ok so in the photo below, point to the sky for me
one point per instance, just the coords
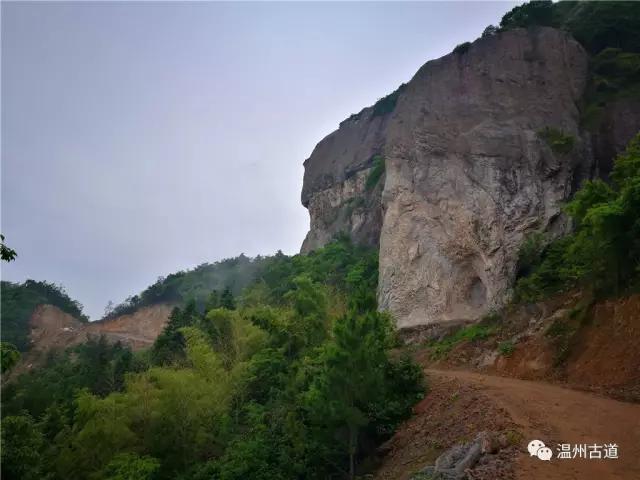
(139, 139)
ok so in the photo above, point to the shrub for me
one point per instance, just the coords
(557, 140)
(530, 252)
(462, 48)
(603, 253)
(388, 104)
(469, 333)
(490, 31)
(376, 172)
(506, 348)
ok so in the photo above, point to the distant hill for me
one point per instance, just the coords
(19, 301)
(196, 284)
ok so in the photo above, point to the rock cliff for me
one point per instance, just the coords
(467, 172)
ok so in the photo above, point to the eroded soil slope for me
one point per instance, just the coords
(568, 340)
(53, 329)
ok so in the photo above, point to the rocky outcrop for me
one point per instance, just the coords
(467, 173)
(336, 189)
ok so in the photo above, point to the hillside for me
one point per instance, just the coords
(19, 301)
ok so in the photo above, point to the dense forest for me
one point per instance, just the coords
(291, 379)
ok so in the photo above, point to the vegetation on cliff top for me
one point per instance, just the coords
(608, 31)
(295, 382)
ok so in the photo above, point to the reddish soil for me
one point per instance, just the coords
(454, 411)
(559, 415)
(566, 346)
(598, 352)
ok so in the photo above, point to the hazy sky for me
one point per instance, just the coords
(143, 138)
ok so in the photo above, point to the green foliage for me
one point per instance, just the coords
(470, 333)
(462, 48)
(506, 348)
(607, 30)
(346, 269)
(22, 443)
(615, 75)
(296, 382)
(557, 140)
(169, 347)
(232, 275)
(129, 466)
(376, 172)
(97, 366)
(19, 300)
(7, 254)
(603, 253)
(538, 12)
(530, 252)
(596, 25)
(226, 300)
(354, 204)
(9, 355)
(489, 31)
(387, 104)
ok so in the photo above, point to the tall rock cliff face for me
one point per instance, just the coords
(467, 175)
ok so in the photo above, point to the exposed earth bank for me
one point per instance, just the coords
(569, 340)
(53, 329)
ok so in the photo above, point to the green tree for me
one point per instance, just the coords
(6, 254)
(9, 356)
(129, 466)
(169, 347)
(22, 443)
(350, 376)
(227, 299)
(213, 301)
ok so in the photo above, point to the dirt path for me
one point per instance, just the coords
(558, 415)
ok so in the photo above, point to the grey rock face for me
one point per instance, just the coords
(468, 176)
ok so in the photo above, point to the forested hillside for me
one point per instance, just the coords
(291, 379)
(232, 274)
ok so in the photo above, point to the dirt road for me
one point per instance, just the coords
(557, 415)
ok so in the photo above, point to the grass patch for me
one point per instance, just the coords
(353, 204)
(558, 141)
(506, 348)
(514, 437)
(376, 172)
(561, 334)
(470, 333)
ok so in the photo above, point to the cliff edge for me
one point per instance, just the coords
(448, 175)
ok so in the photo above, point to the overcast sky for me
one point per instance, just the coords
(143, 138)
